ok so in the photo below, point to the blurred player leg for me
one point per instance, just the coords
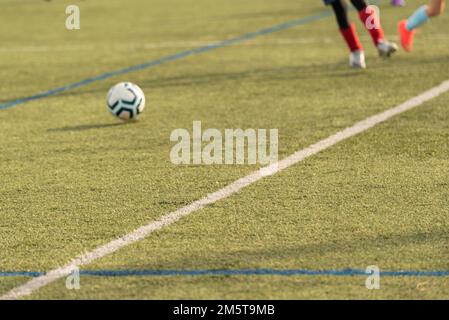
(371, 21)
(348, 31)
(407, 28)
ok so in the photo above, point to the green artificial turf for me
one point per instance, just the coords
(73, 177)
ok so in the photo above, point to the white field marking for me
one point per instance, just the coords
(172, 217)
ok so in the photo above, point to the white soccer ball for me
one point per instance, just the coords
(126, 100)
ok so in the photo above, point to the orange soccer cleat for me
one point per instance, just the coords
(406, 36)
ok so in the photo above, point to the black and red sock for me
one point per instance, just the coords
(347, 29)
(370, 20)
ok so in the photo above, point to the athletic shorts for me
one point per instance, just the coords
(327, 2)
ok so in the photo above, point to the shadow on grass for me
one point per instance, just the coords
(85, 127)
(323, 71)
(326, 253)
(285, 73)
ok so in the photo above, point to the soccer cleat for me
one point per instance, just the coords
(386, 48)
(357, 59)
(398, 3)
(406, 36)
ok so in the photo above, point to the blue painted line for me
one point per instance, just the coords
(236, 272)
(21, 274)
(169, 58)
(224, 272)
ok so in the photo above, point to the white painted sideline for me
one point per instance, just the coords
(170, 218)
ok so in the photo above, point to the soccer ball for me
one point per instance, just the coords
(126, 100)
